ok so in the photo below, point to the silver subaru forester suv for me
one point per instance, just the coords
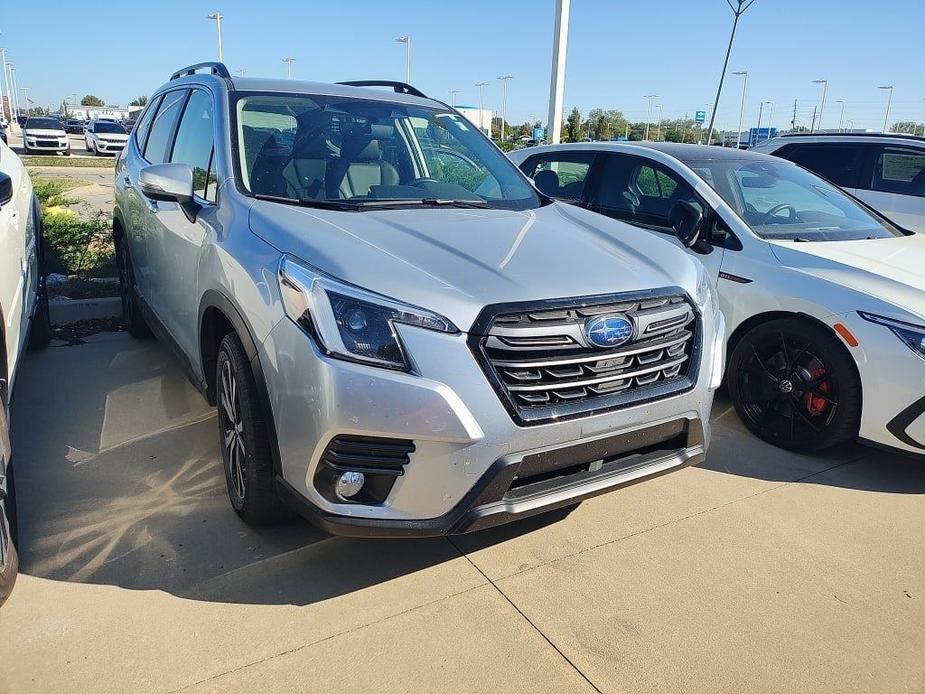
(401, 334)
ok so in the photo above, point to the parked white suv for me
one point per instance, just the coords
(824, 299)
(885, 171)
(41, 134)
(23, 322)
(105, 137)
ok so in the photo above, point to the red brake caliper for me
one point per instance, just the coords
(814, 404)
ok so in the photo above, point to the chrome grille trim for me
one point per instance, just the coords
(541, 363)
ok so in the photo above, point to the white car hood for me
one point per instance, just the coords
(115, 137)
(45, 132)
(892, 269)
(456, 261)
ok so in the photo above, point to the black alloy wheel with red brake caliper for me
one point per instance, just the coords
(795, 385)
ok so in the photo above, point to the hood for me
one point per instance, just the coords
(892, 269)
(115, 137)
(457, 261)
(45, 132)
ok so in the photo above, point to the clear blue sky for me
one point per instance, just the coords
(618, 50)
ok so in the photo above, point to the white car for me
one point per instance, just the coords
(824, 299)
(45, 135)
(105, 137)
(886, 171)
(23, 323)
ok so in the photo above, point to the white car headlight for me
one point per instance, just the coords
(350, 322)
(913, 335)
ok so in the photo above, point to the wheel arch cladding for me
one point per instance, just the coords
(218, 316)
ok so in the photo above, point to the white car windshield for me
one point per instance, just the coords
(43, 124)
(779, 200)
(359, 154)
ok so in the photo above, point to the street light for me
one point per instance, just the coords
(453, 93)
(481, 86)
(738, 10)
(6, 81)
(742, 107)
(648, 114)
(889, 102)
(841, 117)
(241, 72)
(406, 39)
(825, 88)
(504, 81)
(658, 131)
(289, 60)
(217, 16)
(25, 96)
(760, 113)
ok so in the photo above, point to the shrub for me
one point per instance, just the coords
(81, 247)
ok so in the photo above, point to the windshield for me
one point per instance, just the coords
(359, 153)
(107, 127)
(779, 200)
(44, 123)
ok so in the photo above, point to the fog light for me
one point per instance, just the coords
(349, 484)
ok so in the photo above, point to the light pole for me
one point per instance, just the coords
(923, 124)
(760, 113)
(648, 114)
(504, 82)
(241, 72)
(25, 97)
(6, 80)
(217, 16)
(738, 10)
(15, 89)
(557, 77)
(453, 93)
(841, 116)
(406, 39)
(289, 60)
(658, 130)
(744, 73)
(889, 102)
(825, 89)
(481, 86)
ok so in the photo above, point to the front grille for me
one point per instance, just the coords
(544, 367)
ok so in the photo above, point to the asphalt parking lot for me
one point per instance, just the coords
(758, 571)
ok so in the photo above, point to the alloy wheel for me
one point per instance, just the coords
(786, 388)
(232, 429)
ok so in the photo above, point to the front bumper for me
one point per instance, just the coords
(103, 146)
(47, 145)
(468, 450)
(893, 386)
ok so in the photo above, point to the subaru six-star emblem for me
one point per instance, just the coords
(610, 330)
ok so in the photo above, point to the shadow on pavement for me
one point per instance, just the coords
(120, 483)
(735, 451)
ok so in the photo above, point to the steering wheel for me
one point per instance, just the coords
(792, 215)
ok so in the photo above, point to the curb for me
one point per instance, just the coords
(65, 311)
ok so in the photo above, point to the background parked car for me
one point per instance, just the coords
(24, 313)
(824, 299)
(74, 126)
(885, 171)
(44, 134)
(105, 137)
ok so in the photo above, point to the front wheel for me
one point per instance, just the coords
(40, 330)
(794, 385)
(246, 455)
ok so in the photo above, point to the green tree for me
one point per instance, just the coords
(91, 100)
(573, 126)
(909, 127)
(140, 101)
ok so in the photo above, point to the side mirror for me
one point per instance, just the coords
(170, 183)
(686, 220)
(6, 189)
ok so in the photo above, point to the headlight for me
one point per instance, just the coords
(349, 322)
(912, 335)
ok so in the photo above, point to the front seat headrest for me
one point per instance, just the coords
(547, 181)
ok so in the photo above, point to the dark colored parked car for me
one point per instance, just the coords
(73, 126)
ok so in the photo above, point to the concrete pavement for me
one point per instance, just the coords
(760, 571)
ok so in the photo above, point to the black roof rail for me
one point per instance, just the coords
(397, 87)
(906, 136)
(215, 68)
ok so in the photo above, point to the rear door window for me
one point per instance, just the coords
(157, 148)
(561, 175)
(899, 170)
(838, 163)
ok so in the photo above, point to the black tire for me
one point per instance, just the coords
(40, 330)
(242, 433)
(67, 152)
(795, 385)
(10, 504)
(131, 309)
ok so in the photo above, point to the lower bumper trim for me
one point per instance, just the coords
(496, 499)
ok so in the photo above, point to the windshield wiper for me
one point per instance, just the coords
(421, 202)
(309, 202)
